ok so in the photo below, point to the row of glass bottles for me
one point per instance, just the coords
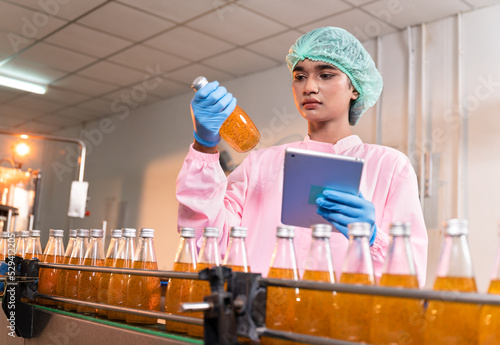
(122, 290)
(26, 244)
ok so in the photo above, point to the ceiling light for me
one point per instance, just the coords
(22, 85)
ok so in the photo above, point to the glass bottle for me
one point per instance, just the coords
(111, 253)
(22, 243)
(398, 320)
(33, 246)
(489, 321)
(61, 276)
(4, 244)
(281, 302)
(117, 289)
(355, 310)
(451, 322)
(238, 130)
(88, 282)
(209, 257)
(72, 276)
(178, 289)
(54, 253)
(315, 308)
(144, 292)
(236, 256)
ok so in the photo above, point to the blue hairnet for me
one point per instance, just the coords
(338, 47)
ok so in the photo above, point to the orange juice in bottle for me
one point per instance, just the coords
(236, 256)
(238, 130)
(489, 321)
(33, 245)
(72, 276)
(281, 302)
(144, 292)
(398, 320)
(178, 289)
(209, 257)
(453, 322)
(61, 274)
(355, 311)
(54, 253)
(117, 288)
(316, 309)
(88, 282)
(102, 294)
(4, 244)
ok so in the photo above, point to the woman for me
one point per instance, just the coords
(334, 82)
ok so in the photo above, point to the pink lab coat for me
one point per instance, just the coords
(251, 197)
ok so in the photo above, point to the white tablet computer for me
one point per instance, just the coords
(307, 174)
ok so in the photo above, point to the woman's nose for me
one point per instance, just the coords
(310, 86)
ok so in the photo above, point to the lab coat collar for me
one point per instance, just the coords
(339, 147)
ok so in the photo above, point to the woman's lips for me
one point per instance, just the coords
(311, 103)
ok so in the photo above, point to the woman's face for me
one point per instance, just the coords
(321, 91)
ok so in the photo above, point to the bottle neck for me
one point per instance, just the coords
(127, 249)
(237, 255)
(284, 256)
(186, 251)
(34, 246)
(113, 247)
(209, 252)
(145, 250)
(54, 246)
(320, 256)
(69, 248)
(455, 258)
(399, 259)
(79, 248)
(358, 258)
(95, 249)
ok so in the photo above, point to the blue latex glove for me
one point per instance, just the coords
(4, 268)
(210, 107)
(341, 209)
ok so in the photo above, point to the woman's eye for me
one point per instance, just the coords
(327, 75)
(299, 77)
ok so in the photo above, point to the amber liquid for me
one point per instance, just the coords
(71, 284)
(355, 311)
(397, 320)
(316, 309)
(47, 283)
(102, 293)
(177, 293)
(197, 290)
(61, 279)
(239, 131)
(117, 289)
(280, 306)
(88, 286)
(451, 322)
(489, 324)
(143, 293)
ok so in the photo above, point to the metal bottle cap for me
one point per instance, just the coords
(34, 233)
(116, 233)
(24, 233)
(72, 233)
(321, 230)
(5, 234)
(359, 229)
(96, 233)
(128, 232)
(238, 231)
(400, 229)
(199, 82)
(456, 227)
(210, 231)
(56, 232)
(284, 231)
(146, 232)
(187, 232)
(82, 233)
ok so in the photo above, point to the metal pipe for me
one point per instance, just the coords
(155, 314)
(81, 143)
(449, 296)
(131, 271)
(196, 306)
(301, 338)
